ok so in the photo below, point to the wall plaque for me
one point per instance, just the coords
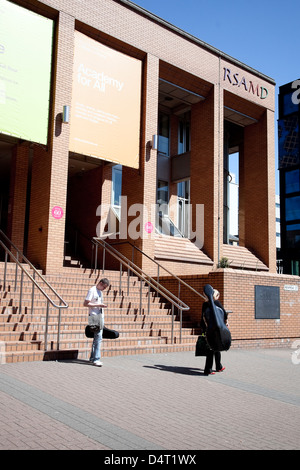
(267, 302)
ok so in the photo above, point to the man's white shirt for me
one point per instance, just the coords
(94, 295)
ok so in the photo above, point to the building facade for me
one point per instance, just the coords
(168, 111)
(116, 124)
(289, 171)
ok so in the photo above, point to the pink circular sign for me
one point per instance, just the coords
(57, 212)
(149, 227)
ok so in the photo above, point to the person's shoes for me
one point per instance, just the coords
(221, 370)
(98, 363)
(209, 373)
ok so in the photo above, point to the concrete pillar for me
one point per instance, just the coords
(207, 170)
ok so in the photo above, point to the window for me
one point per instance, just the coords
(288, 141)
(116, 189)
(292, 181)
(293, 236)
(288, 105)
(163, 196)
(164, 224)
(163, 134)
(183, 195)
(292, 208)
(184, 135)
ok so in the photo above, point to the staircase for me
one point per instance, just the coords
(240, 257)
(179, 249)
(142, 318)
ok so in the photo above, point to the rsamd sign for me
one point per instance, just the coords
(235, 79)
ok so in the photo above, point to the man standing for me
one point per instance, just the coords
(94, 302)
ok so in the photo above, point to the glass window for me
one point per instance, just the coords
(293, 227)
(288, 141)
(163, 134)
(292, 208)
(116, 185)
(288, 105)
(292, 181)
(163, 196)
(293, 236)
(183, 193)
(183, 189)
(184, 135)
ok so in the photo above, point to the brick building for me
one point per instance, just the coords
(143, 141)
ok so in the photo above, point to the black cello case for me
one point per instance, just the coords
(218, 335)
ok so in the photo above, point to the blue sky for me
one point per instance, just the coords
(263, 34)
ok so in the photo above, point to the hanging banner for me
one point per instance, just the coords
(106, 103)
(25, 72)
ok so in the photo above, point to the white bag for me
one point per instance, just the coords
(96, 320)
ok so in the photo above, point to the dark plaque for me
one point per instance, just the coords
(267, 302)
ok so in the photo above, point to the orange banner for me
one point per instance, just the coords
(106, 103)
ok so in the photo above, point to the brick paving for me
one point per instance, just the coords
(158, 402)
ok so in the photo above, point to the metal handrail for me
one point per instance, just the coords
(34, 283)
(160, 266)
(152, 283)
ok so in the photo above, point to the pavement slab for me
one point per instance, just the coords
(155, 403)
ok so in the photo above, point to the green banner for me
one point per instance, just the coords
(25, 72)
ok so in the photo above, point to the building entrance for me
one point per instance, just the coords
(83, 199)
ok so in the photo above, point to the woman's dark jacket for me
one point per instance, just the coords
(205, 306)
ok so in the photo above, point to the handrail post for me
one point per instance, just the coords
(46, 327)
(172, 328)
(92, 255)
(5, 268)
(180, 332)
(16, 273)
(58, 329)
(21, 291)
(103, 260)
(120, 290)
(148, 298)
(140, 296)
(128, 279)
(32, 294)
(179, 286)
(96, 257)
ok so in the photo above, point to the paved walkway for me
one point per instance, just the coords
(158, 403)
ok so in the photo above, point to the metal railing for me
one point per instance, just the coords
(153, 283)
(57, 303)
(162, 268)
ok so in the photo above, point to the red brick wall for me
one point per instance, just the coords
(50, 166)
(204, 170)
(17, 197)
(256, 189)
(175, 57)
(237, 295)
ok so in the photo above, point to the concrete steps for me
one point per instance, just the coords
(179, 249)
(142, 318)
(240, 257)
